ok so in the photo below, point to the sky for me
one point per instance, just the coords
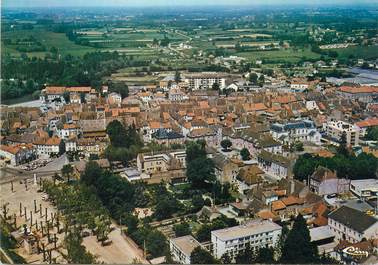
(83, 3)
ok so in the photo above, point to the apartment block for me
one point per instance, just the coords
(256, 233)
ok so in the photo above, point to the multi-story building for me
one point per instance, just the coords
(181, 248)
(299, 130)
(176, 95)
(274, 164)
(256, 233)
(18, 154)
(352, 225)
(364, 188)
(364, 94)
(335, 129)
(151, 163)
(325, 181)
(205, 80)
(48, 147)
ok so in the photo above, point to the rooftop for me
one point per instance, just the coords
(352, 218)
(251, 228)
(186, 244)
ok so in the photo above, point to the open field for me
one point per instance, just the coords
(46, 38)
(288, 55)
(364, 52)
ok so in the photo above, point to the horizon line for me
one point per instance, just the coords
(198, 5)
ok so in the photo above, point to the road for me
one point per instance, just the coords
(8, 174)
(30, 104)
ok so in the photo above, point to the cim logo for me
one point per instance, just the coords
(353, 251)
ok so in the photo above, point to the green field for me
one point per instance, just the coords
(364, 52)
(288, 55)
(48, 39)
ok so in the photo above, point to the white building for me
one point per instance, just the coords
(364, 188)
(257, 234)
(48, 147)
(114, 99)
(274, 164)
(299, 130)
(205, 80)
(298, 87)
(176, 94)
(335, 129)
(182, 247)
(152, 163)
(352, 225)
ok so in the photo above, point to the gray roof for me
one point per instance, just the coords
(352, 218)
(251, 228)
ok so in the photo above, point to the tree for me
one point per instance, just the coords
(261, 80)
(195, 150)
(197, 202)
(226, 259)
(122, 137)
(297, 147)
(343, 148)
(66, 96)
(372, 133)
(203, 233)
(299, 235)
(304, 167)
(156, 243)
(265, 255)
(226, 144)
(120, 88)
(76, 252)
(62, 147)
(244, 153)
(215, 86)
(200, 172)
(245, 256)
(201, 256)
(253, 77)
(67, 170)
(177, 76)
(131, 222)
(91, 174)
(182, 229)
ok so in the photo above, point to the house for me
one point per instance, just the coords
(18, 154)
(364, 189)
(49, 146)
(71, 144)
(225, 169)
(68, 130)
(167, 137)
(249, 177)
(176, 95)
(324, 182)
(366, 124)
(324, 239)
(352, 225)
(181, 248)
(114, 99)
(364, 94)
(90, 146)
(150, 163)
(299, 130)
(256, 234)
(274, 164)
